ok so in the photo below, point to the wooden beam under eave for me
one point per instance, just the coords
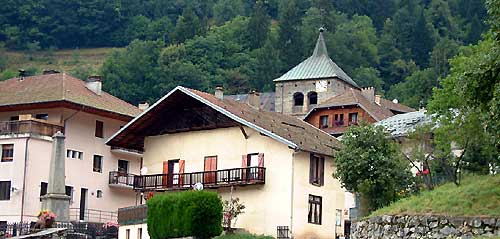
(243, 131)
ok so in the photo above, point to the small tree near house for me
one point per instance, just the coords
(232, 209)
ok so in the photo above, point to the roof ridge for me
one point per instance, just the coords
(320, 48)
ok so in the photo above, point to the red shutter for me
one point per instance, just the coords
(182, 164)
(244, 165)
(261, 159)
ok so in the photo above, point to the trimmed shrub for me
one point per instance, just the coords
(182, 214)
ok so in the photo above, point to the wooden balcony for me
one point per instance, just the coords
(121, 179)
(33, 127)
(209, 179)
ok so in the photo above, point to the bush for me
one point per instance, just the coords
(190, 213)
(243, 236)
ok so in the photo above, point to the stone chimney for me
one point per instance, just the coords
(219, 92)
(254, 99)
(377, 99)
(368, 93)
(94, 83)
(143, 106)
(50, 71)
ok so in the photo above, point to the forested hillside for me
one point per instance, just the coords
(401, 47)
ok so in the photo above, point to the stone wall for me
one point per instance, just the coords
(425, 226)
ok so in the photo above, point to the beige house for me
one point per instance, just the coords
(32, 109)
(279, 166)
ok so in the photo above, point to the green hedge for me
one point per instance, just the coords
(182, 214)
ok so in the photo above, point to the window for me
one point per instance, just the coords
(127, 234)
(323, 121)
(316, 170)
(99, 193)
(97, 163)
(4, 190)
(42, 116)
(338, 119)
(73, 154)
(122, 166)
(139, 233)
(99, 128)
(353, 118)
(44, 186)
(7, 153)
(14, 118)
(314, 215)
(313, 98)
(298, 99)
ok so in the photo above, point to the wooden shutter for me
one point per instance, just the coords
(182, 164)
(261, 159)
(244, 165)
(165, 172)
(311, 169)
(321, 171)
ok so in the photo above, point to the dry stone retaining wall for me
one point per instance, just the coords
(425, 226)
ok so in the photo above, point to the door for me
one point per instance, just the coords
(252, 164)
(83, 203)
(171, 173)
(210, 175)
(123, 166)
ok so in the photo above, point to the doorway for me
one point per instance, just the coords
(83, 203)
(171, 173)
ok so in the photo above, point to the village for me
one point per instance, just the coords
(315, 156)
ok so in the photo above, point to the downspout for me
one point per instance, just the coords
(24, 177)
(292, 191)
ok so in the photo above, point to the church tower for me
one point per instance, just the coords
(311, 82)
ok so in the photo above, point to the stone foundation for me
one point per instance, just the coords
(425, 226)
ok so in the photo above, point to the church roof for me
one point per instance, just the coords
(318, 66)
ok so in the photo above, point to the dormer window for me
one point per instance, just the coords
(313, 98)
(298, 99)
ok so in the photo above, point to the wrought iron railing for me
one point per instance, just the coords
(92, 215)
(121, 178)
(209, 179)
(29, 127)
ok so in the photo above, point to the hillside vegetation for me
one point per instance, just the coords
(476, 196)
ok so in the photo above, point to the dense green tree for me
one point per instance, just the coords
(289, 39)
(368, 76)
(416, 89)
(258, 25)
(225, 10)
(371, 164)
(266, 67)
(422, 41)
(188, 25)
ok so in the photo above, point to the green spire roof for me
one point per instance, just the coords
(317, 66)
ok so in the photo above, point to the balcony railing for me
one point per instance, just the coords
(29, 127)
(132, 215)
(92, 215)
(209, 179)
(121, 178)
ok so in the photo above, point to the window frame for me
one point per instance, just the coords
(42, 116)
(314, 203)
(321, 125)
(316, 170)
(350, 117)
(312, 95)
(297, 96)
(5, 194)
(71, 152)
(100, 163)
(99, 129)
(98, 193)
(3, 157)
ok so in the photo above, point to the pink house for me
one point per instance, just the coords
(98, 177)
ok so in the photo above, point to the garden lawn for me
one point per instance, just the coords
(476, 196)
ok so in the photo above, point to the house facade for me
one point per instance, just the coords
(277, 165)
(32, 110)
(339, 112)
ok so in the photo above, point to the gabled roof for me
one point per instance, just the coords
(403, 124)
(318, 66)
(289, 130)
(354, 97)
(60, 87)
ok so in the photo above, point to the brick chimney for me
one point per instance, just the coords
(94, 83)
(219, 92)
(254, 99)
(368, 93)
(143, 106)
